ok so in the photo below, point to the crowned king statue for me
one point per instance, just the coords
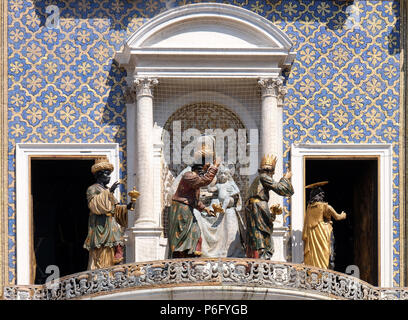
(259, 216)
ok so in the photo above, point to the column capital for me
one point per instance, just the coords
(144, 85)
(139, 87)
(272, 87)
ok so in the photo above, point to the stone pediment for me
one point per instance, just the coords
(211, 32)
(207, 40)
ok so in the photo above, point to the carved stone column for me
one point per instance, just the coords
(271, 133)
(144, 150)
(271, 120)
(131, 108)
(143, 235)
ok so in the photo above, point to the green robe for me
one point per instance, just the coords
(184, 231)
(105, 219)
(259, 218)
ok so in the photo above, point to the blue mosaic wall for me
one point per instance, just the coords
(343, 86)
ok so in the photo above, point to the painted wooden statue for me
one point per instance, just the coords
(107, 218)
(184, 232)
(318, 229)
(259, 216)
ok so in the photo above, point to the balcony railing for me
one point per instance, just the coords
(206, 272)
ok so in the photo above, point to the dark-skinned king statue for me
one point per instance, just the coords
(107, 218)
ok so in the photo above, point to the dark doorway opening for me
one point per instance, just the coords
(353, 188)
(60, 215)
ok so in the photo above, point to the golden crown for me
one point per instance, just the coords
(268, 161)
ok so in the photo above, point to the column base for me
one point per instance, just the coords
(280, 239)
(145, 243)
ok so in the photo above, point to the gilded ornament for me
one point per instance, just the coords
(217, 208)
(133, 194)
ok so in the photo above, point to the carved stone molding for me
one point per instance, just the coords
(207, 272)
(273, 87)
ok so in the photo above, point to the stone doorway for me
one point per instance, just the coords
(353, 188)
(60, 215)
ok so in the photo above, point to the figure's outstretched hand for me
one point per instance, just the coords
(129, 206)
(114, 186)
(288, 174)
(343, 215)
(210, 212)
(217, 162)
